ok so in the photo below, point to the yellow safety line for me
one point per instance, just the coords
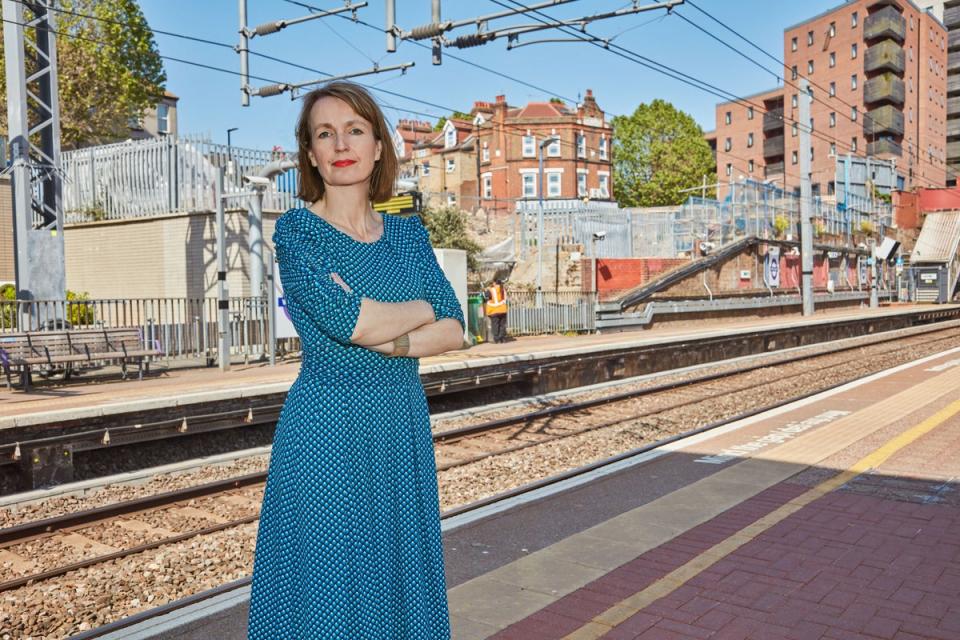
(623, 610)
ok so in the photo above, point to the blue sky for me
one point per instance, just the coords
(210, 101)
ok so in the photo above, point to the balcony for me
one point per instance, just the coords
(953, 128)
(951, 17)
(885, 147)
(885, 23)
(885, 119)
(774, 169)
(953, 84)
(953, 150)
(953, 61)
(885, 55)
(773, 147)
(884, 88)
(773, 120)
(953, 39)
(953, 106)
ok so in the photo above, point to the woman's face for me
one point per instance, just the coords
(342, 145)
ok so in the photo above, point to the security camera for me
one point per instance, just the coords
(257, 182)
(599, 235)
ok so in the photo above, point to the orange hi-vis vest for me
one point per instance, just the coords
(497, 303)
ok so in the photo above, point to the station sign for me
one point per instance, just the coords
(408, 203)
(771, 267)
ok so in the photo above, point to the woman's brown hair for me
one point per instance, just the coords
(384, 170)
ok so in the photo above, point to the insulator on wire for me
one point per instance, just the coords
(106, 437)
(269, 27)
(426, 31)
(470, 40)
(272, 90)
(183, 426)
(16, 452)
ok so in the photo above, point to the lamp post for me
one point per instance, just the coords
(229, 151)
(543, 143)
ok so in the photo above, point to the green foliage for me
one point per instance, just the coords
(866, 227)
(780, 226)
(658, 151)
(819, 228)
(448, 230)
(79, 313)
(556, 101)
(108, 66)
(456, 115)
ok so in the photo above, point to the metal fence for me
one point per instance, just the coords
(558, 312)
(753, 208)
(185, 328)
(146, 178)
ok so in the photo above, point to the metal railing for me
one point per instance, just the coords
(146, 178)
(558, 312)
(185, 328)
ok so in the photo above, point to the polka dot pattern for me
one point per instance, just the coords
(349, 539)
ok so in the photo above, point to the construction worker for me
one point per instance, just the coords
(495, 308)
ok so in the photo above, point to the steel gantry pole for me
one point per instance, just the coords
(806, 195)
(33, 117)
(223, 300)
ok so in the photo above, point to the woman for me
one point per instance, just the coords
(349, 539)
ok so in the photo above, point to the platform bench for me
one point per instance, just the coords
(73, 349)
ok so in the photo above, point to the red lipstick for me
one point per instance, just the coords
(344, 163)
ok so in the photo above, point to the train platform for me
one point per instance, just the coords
(834, 517)
(173, 387)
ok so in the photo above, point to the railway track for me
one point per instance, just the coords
(217, 507)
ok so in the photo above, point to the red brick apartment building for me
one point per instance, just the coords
(878, 71)
(492, 161)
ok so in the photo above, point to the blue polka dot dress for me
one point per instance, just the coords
(349, 539)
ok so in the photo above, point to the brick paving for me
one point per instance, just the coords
(877, 559)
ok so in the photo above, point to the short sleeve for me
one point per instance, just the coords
(308, 288)
(437, 289)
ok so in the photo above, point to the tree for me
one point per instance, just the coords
(108, 67)
(658, 151)
(456, 115)
(448, 230)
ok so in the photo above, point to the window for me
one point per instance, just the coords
(809, 67)
(529, 185)
(729, 169)
(793, 129)
(793, 101)
(853, 82)
(487, 186)
(750, 166)
(833, 148)
(749, 113)
(529, 147)
(793, 72)
(793, 43)
(485, 154)
(853, 20)
(604, 184)
(833, 89)
(853, 114)
(727, 144)
(451, 165)
(853, 51)
(728, 118)
(749, 140)
(581, 183)
(163, 118)
(452, 200)
(553, 149)
(426, 168)
(833, 29)
(809, 38)
(581, 145)
(603, 148)
(811, 125)
(853, 144)
(833, 119)
(553, 184)
(793, 157)
(833, 59)
(450, 137)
